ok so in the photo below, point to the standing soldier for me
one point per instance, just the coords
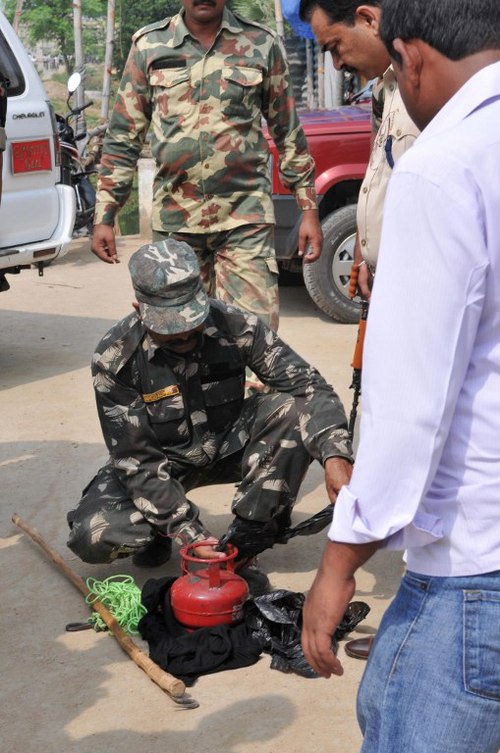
(204, 80)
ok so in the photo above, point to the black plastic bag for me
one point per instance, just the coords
(311, 525)
(251, 537)
(275, 620)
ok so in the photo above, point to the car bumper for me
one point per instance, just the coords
(51, 248)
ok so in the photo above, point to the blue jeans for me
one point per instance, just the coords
(432, 682)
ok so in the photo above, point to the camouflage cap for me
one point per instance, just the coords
(167, 284)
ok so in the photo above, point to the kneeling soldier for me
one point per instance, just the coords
(169, 384)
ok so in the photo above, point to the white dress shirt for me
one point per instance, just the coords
(427, 473)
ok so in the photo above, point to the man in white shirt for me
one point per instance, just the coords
(427, 475)
(349, 31)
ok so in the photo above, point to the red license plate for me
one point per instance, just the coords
(31, 156)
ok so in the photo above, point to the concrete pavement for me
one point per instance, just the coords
(77, 692)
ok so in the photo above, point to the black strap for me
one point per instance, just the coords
(388, 152)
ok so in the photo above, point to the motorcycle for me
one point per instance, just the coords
(76, 166)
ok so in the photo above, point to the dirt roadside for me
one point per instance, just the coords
(77, 692)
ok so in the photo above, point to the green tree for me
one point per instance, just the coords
(256, 10)
(134, 14)
(52, 20)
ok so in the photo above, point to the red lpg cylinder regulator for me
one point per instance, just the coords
(211, 595)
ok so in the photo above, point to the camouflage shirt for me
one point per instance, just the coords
(161, 412)
(205, 109)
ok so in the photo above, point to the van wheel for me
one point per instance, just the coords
(327, 280)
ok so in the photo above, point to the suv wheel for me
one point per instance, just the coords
(327, 280)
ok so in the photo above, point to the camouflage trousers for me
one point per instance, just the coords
(238, 267)
(268, 470)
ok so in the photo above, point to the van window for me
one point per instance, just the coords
(10, 68)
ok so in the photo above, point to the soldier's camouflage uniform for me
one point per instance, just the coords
(172, 423)
(205, 109)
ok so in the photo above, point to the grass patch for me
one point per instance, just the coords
(94, 76)
(60, 77)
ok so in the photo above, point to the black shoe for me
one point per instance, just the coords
(359, 648)
(155, 553)
(258, 583)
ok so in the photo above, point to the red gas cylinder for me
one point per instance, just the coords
(211, 595)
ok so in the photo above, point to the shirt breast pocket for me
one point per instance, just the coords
(241, 88)
(223, 401)
(168, 420)
(396, 134)
(171, 88)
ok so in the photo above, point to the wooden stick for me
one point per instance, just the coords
(171, 685)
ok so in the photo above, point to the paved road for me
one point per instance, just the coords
(77, 692)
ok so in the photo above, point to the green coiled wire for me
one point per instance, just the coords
(122, 597)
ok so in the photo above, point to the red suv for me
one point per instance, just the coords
(339, 141)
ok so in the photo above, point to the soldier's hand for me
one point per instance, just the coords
(208, 552)
(103, 244)
(338, 472)
(310, 236)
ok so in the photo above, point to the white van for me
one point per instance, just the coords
(37, 212)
